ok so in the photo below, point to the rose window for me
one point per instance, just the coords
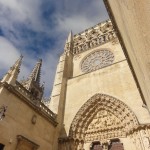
(97, 60)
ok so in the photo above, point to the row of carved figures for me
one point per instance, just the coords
(95, 41)
(139, 140)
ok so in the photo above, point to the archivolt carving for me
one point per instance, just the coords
(102, 117)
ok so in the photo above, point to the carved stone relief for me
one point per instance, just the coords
(102, 117)
(141, 137)
(146, 138)
(93, 37)
(97, 60)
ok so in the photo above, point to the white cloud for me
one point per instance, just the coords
(68, 15)
(74, 23)
(26, 11)
(8, 53)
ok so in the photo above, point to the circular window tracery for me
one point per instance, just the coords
(97, 60)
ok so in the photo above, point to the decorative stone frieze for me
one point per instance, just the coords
(93, 37)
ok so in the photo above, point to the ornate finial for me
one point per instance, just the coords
(69, 43)
(17, 64)
(70, 37)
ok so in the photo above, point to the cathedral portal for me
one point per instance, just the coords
(102, 121)
(93, 62)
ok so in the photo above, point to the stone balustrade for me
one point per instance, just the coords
(38, 104)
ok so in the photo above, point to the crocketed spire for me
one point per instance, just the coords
(12, 75)
(36, 73)
(33, 81)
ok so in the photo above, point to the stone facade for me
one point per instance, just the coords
(26, 123)
(131, 20)
(96, 97)
(95, 102)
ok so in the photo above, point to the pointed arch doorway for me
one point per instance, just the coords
(102, 118)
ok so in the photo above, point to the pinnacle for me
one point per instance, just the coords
(12, 75)
(36, 72)
(17, 64)
(70, 37)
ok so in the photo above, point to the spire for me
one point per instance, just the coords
(33, 81)
(36, 73)
(12, 75)
(69, 43)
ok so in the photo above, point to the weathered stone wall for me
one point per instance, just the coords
(18, 121)
(131, 18)
(115, 80)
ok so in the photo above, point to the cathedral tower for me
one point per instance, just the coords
(97, 102)
(33, 81)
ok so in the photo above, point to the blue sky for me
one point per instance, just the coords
(39, 28)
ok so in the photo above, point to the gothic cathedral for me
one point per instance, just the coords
(95, 103)
(95, 96)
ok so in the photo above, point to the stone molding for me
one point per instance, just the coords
(23, 141)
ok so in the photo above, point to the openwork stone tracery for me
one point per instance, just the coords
(97, 60)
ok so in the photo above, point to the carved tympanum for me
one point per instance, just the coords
(102, 117)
